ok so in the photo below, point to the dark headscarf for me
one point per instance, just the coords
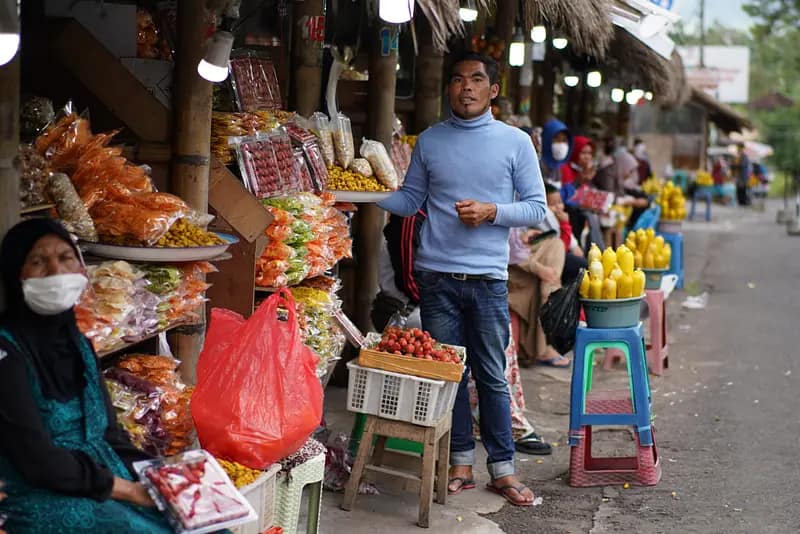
(50, 341)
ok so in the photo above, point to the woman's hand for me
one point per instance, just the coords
(132, 492)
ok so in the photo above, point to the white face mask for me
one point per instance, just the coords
(55, 294)
(560, 151)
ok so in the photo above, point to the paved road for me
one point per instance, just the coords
(727, 410)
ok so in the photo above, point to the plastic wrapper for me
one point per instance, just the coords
(61, 143)
(343, 143)
(194, 493)
(298, 133)
(226, 125)
(35, 113)
(381, 163)
(302, 171)
(254, 81)
(319, 171)
(361, 166)
(321, 127)
(260, 165)
(71, 208)
(126, 222)
(319, 329)
(33, 177)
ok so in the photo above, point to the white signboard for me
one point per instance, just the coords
(726, 74)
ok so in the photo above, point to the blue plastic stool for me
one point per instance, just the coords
(702, 193)
(630, 341)
(648, 219)
(676, 263)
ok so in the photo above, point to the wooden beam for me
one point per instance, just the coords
(107, 78)
(308, 24)
(428, 90)
(9, 146)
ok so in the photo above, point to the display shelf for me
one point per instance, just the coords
(36, 209)
(360, 197)
(126, 345)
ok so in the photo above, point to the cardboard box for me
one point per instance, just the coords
(155, 75)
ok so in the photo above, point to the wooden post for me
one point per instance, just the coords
(504, 22)
(9, 145)
(308, 32)
(544, 76)
(191, 148)
(429, 76)
(370, 218)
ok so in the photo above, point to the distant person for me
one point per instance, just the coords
(580, 170)
(741, 171)
(555, 150)
(643, 159)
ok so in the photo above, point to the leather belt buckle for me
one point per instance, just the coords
(459, 276)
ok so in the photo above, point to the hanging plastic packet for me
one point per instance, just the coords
(362, 167)
(320, 125)
(381, 163)
(343, 143)
(71, 208)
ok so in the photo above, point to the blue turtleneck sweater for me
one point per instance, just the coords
(480, 159)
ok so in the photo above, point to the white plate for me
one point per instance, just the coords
(159, 254)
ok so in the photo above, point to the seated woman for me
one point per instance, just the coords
(64, 460)
(581, 170)
(534, 272)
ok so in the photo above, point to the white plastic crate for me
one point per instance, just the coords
(396, 396)
(261, 495)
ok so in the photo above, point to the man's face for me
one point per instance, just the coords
(470, 90)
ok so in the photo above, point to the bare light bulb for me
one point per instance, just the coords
(571, 80)
(617, 95)
(396, 11)
(594, 79)
(214, 66)
(560, 43)
(538, 34)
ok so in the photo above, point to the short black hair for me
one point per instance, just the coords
(492, 70)
(550, 188)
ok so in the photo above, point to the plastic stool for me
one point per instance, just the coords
(701, 193)
(436, 440)
(289, 494)
(676, 262)
(630, 341)
(585, 470)
(657, 349)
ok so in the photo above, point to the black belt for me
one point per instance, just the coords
(463, 277)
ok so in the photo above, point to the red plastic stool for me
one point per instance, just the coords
(657, 349)
(585, 470)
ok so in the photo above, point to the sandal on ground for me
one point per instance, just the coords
(533, 444)
(463, 484)
(505, 492)
(557, 361)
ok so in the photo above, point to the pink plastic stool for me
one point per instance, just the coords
(657, 348)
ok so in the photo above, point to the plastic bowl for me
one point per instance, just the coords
(669, 227)
(617, 313)
(652, 278)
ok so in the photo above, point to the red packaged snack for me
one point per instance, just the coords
(194, 493)
(254, 80)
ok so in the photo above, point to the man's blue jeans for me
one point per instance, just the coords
(474, 314)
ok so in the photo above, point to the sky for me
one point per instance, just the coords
(729, 12)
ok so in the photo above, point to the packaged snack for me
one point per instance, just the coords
(361, 166)
(320, 125)
(381, 163)
(35, 113)
(254, 81)
(301, 169)
(319, 171)
(194, 493)
(33, 176)
(343, 143)
(71, 208)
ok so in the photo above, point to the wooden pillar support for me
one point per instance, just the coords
(191, 147)
(505, 21)
(370, 218)
(9, 146)
(308, 29)
(429, 76)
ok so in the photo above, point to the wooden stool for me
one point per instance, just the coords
(436, 442)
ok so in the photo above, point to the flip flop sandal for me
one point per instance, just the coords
(552, 362)
(503, 492)
(465, 484)
(533, 444)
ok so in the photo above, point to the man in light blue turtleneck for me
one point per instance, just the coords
(479, 178)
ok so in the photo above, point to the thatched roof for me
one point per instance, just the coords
(728, 119)
(584, 22)
(639, 65)
(771, 101)
(679, 90)
(445, 20)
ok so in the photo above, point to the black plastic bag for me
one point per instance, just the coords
(560, 316)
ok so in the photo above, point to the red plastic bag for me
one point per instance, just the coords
(258, 397)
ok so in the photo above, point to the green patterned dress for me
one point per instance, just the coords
(78, 424)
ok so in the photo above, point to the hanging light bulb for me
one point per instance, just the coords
(396, 11)
(648, 96)
(516, 52)
(638, 93)
(9, 31)
(617, 95)
(214, 66)
(570, 80)
(632, 98)
(538, 34)
(468, 11)
(594, 79)
(560, 43)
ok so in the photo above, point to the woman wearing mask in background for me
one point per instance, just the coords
(553, 149)
(64, 460)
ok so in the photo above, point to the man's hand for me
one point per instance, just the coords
(474, 213)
